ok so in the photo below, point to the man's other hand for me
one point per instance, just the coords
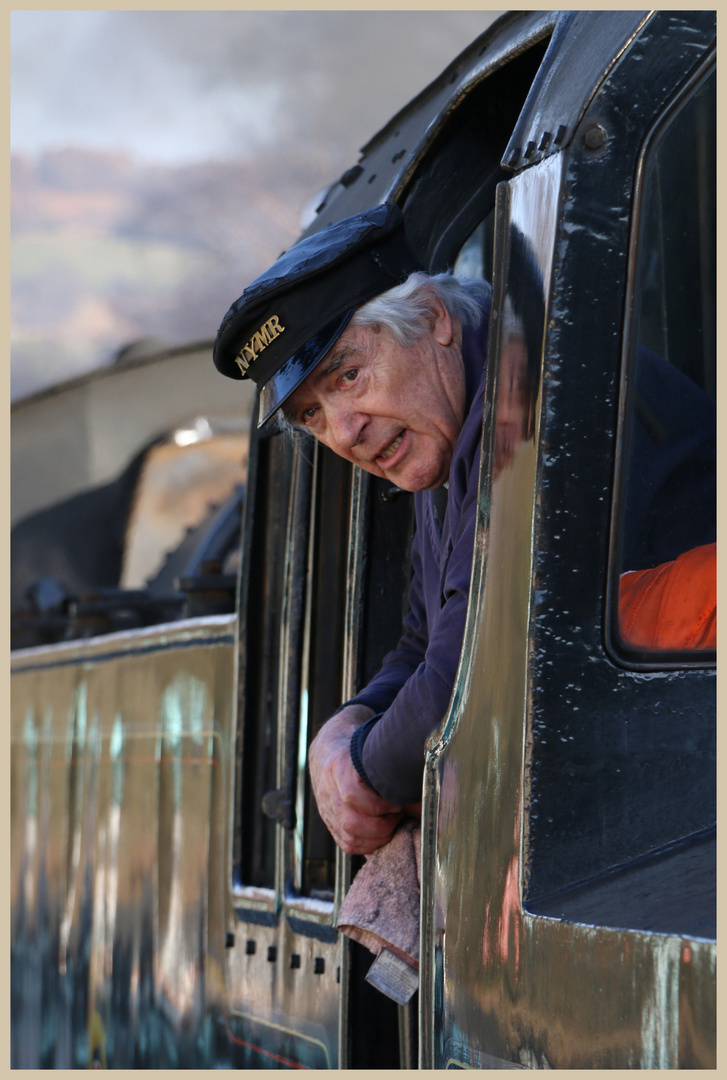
(359, 820)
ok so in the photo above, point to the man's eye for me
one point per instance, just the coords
(308, 414)
(350, 375)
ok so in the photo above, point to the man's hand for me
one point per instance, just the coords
(359, 820)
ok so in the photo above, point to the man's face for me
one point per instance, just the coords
(513, 401)
(394, 410)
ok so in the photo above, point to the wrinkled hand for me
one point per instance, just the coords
(359, 820)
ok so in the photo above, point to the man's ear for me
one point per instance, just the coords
(442, 325)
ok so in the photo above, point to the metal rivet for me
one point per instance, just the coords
(250, 947)
(229, 940)
(543, 144)
(319, 965)
(594, 137)
(272, 953)
(351, 175)
(560, 135)
(372, 178)
(295, 960)
(338, 974)
(529, 149)
(513, 159)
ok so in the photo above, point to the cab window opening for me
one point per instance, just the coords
(665, 593)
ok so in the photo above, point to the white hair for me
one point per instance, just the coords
(405, 312)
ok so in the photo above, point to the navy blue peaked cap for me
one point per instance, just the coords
(288, 319)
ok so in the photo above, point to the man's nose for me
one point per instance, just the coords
(346, 425)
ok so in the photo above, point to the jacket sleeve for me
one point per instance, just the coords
(393, 753)
(672, 606)
(399, 664)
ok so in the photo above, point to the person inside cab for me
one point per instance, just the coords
(348, 339)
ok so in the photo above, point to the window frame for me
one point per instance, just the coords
(635, 658)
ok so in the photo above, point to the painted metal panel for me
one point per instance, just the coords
(117, 749)
(501, 986)
(127, 948)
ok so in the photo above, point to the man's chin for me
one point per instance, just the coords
(415, 484)
(408, 479)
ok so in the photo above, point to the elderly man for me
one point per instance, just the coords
(349, 340)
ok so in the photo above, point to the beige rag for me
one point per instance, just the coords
(381, 909)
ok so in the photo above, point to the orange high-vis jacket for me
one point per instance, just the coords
(672, 606)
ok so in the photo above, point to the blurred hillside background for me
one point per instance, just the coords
(161, 160)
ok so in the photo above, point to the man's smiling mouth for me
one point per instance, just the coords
(391, 448)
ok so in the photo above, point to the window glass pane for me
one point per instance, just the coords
(260, 631)
(322, 687)
(667, 581)
(475, 256)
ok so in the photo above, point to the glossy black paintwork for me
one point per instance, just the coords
(669, 893)
(623, 762)
(583, 47)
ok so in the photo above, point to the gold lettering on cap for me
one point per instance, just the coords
(258, 342)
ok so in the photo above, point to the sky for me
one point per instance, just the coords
(276, 101)
(114, 80)
(177, 86)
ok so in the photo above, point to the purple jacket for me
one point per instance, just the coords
(413, 687)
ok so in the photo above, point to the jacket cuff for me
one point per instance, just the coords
(357, 744)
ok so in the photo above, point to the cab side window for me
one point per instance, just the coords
(664, 587)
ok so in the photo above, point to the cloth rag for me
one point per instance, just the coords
(381, 909)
